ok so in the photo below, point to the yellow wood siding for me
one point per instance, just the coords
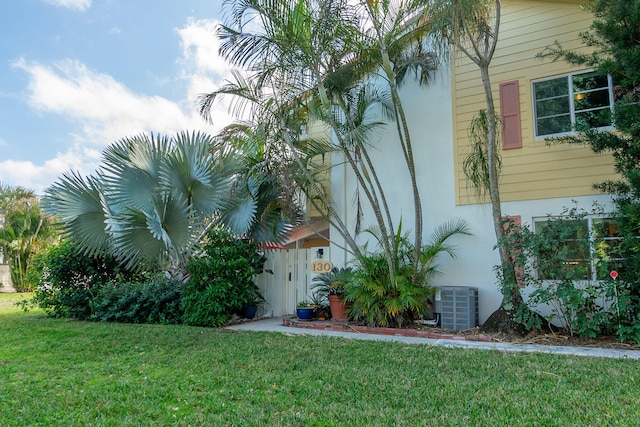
(537, 170)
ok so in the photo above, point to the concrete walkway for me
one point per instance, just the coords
(276, 325)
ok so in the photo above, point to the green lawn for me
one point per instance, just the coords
(66, 373)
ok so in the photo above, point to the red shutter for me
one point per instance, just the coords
(510, 109)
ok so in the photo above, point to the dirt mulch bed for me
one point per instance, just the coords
(556, 338)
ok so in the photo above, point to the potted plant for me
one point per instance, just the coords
(331, 285)
(250, 307)
(304, 310)
(321, 311)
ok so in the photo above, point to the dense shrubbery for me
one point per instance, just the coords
(70, 280)
(555, 263)
(378, 299)
(98, 288)
(158, 300)
(222, 279)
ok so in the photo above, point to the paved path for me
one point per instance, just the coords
(275, 325)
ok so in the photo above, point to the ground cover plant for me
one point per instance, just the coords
(60, 372)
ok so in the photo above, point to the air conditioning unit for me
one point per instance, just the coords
(457, 307)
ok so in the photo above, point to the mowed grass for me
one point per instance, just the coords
(67, 373)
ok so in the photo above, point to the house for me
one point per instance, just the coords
(537, 98)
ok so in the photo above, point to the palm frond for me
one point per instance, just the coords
(79, 205)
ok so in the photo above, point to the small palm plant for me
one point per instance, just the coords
(378, 300)
(332, 282)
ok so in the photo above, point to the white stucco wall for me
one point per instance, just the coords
(5, 279)
(430, 118)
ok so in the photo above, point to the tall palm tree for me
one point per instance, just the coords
(324, 55)
(472, 27)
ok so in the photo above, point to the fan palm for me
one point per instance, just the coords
(152, 199)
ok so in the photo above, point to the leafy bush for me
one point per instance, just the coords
(222, 279)
(332, 282)
(69, 280)
(155, 301)
(547, 262)
(379, 300)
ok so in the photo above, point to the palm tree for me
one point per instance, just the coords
(24, 231)
(153, 198)
(472, 28)
(322, 56)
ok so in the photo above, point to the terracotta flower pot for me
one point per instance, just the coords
(338, 308)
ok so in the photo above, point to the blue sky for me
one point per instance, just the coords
(77, 75)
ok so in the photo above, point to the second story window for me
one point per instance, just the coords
(579, 99)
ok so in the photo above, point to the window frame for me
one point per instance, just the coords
(571, 96)
(592, 239)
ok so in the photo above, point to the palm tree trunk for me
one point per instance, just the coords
(513, 294)
(375, 205)
(371, 170)
(403, 132)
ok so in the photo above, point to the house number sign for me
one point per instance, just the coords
(320, 267)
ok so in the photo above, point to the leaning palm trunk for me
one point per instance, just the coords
(401, 122)
(374, 202)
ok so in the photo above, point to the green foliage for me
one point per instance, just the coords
(24, 232)
(157, 300)
(476, 164)
(305, 304)
(154, 197)
(545, 261)
(613, 49)
(69, 280)
(378, 300)
(222, 279)
(332, 282)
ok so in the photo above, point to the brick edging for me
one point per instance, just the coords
(328, 325)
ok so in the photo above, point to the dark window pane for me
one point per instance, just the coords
(595, 99)
(551, 88)
(564, 270)
(589, 81)
(605, 227)
(593, 119)
(551, 125)
(552, 107)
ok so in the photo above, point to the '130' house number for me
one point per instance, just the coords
(320, 267)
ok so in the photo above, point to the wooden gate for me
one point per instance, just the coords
(290, 282)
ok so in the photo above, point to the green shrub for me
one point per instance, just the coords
(157, 300)
(379, 300)
(555, 263)
(69, 280)
(222, 279)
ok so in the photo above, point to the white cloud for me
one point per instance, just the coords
(80, 5)
(3, 143)
(105, 110)
(115, 31)
(203, 67)
(39, 177)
